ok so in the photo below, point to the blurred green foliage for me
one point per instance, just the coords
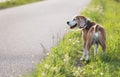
(11, 3)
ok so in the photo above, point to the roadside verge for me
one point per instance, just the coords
(63, 60)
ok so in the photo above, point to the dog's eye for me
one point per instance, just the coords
(74, 19)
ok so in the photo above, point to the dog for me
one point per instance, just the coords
(92, 34)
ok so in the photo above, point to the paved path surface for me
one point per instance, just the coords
(3, 0)
(24, 28)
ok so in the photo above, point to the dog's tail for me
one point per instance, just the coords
(96, 28)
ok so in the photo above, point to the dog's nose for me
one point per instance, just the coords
(67, 22)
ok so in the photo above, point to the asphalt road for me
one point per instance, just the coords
(23, 29)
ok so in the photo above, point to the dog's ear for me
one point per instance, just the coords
(88, 21)
(80, 17)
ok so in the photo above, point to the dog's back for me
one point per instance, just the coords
(98, 34)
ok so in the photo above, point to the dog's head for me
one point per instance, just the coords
(78, 21)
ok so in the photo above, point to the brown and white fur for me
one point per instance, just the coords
(92, 34)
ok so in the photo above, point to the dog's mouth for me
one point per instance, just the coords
(81, 27)
(71, 27)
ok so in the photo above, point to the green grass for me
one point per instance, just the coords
(62, 61)
(12, 3)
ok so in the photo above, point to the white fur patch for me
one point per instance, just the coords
(88, 19)
(72, 23)
(97, 34)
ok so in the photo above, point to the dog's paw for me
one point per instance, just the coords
(82, 59)
(88, 61)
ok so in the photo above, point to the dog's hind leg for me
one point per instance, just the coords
(88, 52)
(102, 39)
(95, 49)
(88, 46)
(84, 55)
(103, 45)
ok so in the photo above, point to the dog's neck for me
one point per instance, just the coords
(89, 24)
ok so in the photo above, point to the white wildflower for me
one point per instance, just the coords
(66, 58)
(101, 73)
(76, 73)
(73, 43)
(54, 69)
(78, 41)
(43, 74)
(48, 53)
(79, 68)
(70, 39)
(84, 72)
(47, 66)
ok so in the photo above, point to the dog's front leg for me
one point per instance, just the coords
(84, 52)
(88, 46)
(88, 52)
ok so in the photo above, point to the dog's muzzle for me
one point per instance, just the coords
(72, 24)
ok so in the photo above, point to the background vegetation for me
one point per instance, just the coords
(63, 60)
(11, 3)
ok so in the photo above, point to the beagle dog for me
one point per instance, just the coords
(92, 34)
